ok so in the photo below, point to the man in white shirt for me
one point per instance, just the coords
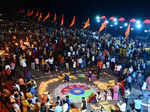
(138, 104)
(113, 60)
(80, 62)
(122, 106)
(7, 67)
(107, 64)
(131, 69)
(74, 65)
(51, 62)
(24, 65)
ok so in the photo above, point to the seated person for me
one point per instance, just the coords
(66, 78)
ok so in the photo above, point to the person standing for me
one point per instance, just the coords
(83, 105)
(148, 82)
(74, 65)
(68, 102)
(58, 108)
(122, 106)
(138, 104)
(115, 92)
(36, 63)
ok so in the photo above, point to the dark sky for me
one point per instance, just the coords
(126, 8)
(139, 8)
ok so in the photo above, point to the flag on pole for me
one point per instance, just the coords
(54, 20)
(103, 26)
(46, 17)
(29, 13)
(73, 22)
(87, 24)
(40, 17)
(62, 20)
(127, 32)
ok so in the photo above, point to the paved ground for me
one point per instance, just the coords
(40, 76)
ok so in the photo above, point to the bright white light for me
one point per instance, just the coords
(125, 24)
(98, 20)
(138, 21)
(132, 29)
(139, 26)
(111, 25)
(107, 21)
(115, 19)
(121, 27)
(98, 17)
(116, 23)
(145, 31)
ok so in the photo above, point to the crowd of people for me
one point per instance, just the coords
(70, 50)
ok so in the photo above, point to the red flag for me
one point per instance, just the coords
(46, 17)
(127, 32)
(102, 27)
(73, 22)
(29, 13)
(21, 11)
(62, 20)
(54, 20)
(87, 24)
(40, 17)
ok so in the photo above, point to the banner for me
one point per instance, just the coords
(46, 17)
(127, 32)
(73, 22)
(62, 20)
(54, 20)
(86, 24)
(40, 17)
(103, 26)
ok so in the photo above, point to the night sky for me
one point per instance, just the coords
(89, 8)
(140, 8)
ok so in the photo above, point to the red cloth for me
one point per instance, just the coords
(122, 87)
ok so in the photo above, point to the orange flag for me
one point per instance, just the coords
(127, 32)
(62, 20)
(29, 13)
(54, 20)
(102, 27)
(27, 39)
(46, 17)
(86, 24)
(73, 22)
(40, 17)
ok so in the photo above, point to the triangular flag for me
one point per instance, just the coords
(102, 27)
(29, 13)
(86, 24)
(40, 17)
(62, 20)
(46, 17)
(27, 39)
(73, 22)
(127, 32)
(54, 20)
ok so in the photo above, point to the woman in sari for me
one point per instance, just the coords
(115, 92)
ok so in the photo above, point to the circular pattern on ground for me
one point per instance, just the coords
(75, 91)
